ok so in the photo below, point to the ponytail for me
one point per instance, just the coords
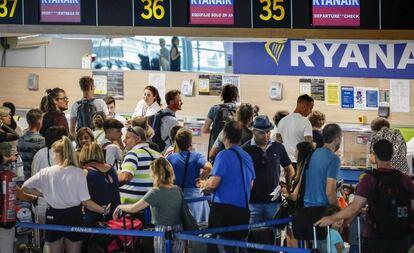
(47, 103)
(66, 151)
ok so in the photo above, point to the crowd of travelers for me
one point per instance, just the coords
(100, 166)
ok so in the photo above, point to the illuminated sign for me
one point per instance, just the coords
(336, 13)
(60, 11)
(211, 12)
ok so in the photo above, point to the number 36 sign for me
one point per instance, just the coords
(152, 12)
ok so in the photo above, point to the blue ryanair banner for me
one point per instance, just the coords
(316, 58)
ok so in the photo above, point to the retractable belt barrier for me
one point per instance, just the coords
(183, 235)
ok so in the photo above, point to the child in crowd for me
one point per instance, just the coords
(336, 241)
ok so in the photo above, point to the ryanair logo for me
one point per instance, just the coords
(274, 49)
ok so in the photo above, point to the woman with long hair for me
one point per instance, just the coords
(165, 200)
(296, 193)
(150, 103)
(65, 189)
(102, 181)
(53, 105)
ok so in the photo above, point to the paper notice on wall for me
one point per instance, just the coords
(158, 81)
(372, 95)
(234, 80)
(360, 98)
(384, 98)
(318, 89)
(101, 84)
(332, 94)
(305, 87)
(400, 95)
(347, 97)
(203, 86)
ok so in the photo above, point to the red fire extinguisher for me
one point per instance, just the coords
(7, 199)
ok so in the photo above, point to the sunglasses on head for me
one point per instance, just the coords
(131, 129)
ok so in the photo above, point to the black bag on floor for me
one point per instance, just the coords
(261, 236)
(303, 220)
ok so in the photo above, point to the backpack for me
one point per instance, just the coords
(223, 115)
(155, 121)
(86, 111)
(389, 206)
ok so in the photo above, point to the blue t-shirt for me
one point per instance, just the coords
(227, 167)
(195, 163)
(324, 164)
(335, 239)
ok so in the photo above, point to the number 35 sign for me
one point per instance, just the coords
(152, 12)
(271, 13)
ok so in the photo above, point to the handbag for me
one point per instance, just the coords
(282, 212)
(187, 219)
(225, 215)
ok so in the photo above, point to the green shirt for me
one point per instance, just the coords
(165, 205)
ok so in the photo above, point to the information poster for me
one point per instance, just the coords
(318, 89)
(372, 95)
(347, 97)
(60, 11)
(210, 85)
(109, 83)
(336, 13)
(234, 80)
(400, 95)
(384, 98)
(360, 98)
(305, 86)
(332, 94)
(211, 12)
(158, 81)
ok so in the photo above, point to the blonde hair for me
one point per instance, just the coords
(163, 171)
(66, 151)
(91, 153)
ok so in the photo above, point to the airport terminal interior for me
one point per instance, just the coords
(125, 126)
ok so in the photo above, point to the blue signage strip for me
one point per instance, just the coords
(314, 58)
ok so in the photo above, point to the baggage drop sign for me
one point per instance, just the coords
(211, 12)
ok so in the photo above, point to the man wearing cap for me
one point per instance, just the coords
(113, 134)
(6, 133)
(267, 158)
(135, 172)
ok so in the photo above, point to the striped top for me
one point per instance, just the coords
(137, 162)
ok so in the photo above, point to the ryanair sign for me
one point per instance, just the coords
(316, 58)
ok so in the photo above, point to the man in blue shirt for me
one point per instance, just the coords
(321, 177)
(231, 180)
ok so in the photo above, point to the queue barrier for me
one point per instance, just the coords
(183, 235)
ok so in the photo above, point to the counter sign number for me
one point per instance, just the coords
(153, 8)
(272, 9)
(7, 10)
(271, 13)
(152, 13)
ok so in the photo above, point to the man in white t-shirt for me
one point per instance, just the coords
(113, 134)
(87, 86)
(295, 127)
(110, 104)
